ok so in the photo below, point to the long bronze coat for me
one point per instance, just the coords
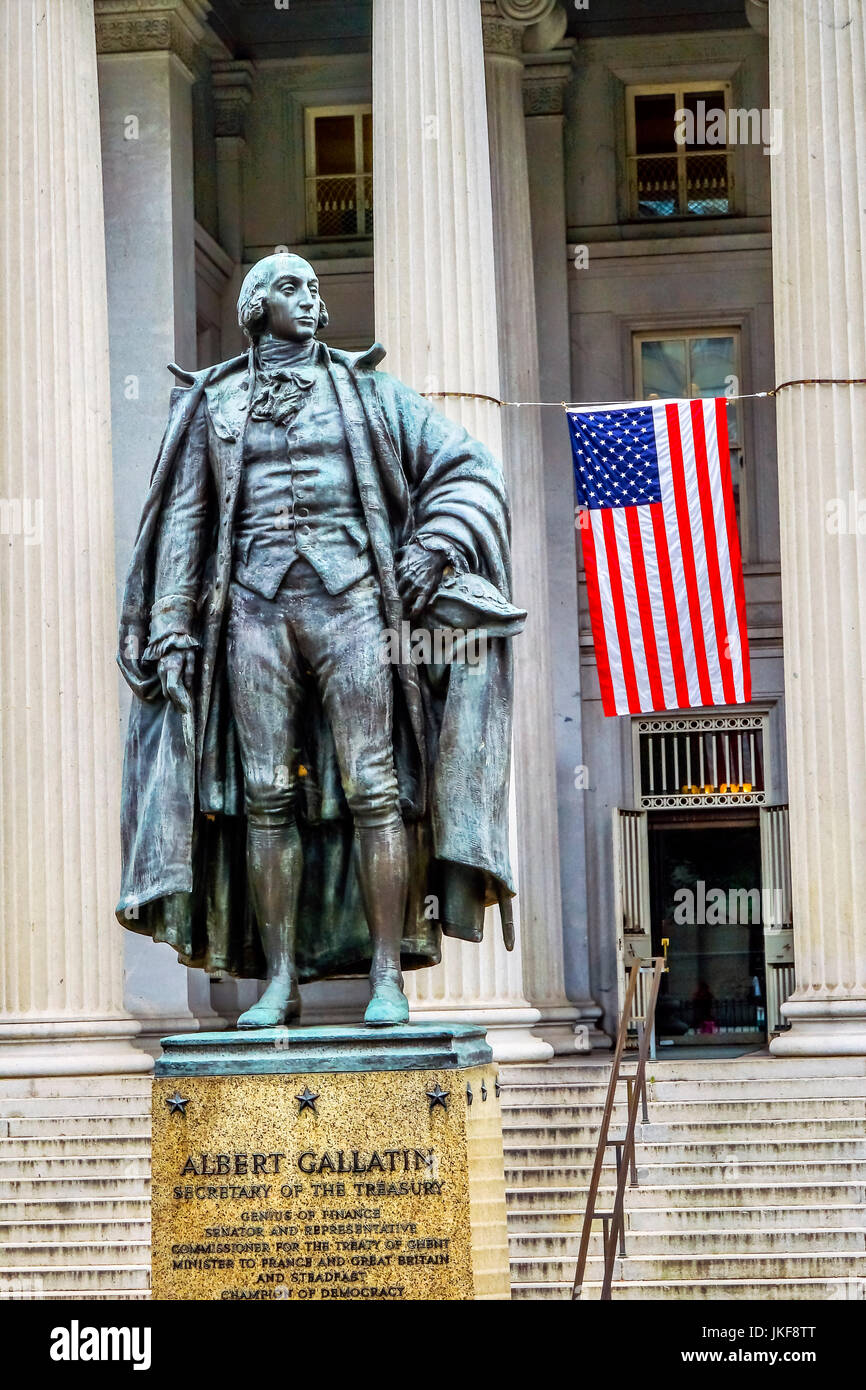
(183, 822)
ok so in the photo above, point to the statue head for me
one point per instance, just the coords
(280, 295)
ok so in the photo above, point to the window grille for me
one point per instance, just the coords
(701, 761)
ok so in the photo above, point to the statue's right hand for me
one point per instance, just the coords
(175, 671)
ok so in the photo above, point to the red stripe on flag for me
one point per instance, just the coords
(620, 615)
(685, 530)
(666, 580)
(733, 541)
(644, 608)
(711, 547)
(602, 660)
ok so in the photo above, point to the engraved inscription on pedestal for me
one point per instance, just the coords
(347, 1187)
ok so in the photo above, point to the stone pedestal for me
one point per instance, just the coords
(345, 1164)
(816, 87)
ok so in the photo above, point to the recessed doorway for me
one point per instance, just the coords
(706, 905)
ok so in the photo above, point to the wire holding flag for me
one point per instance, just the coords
(662, 556)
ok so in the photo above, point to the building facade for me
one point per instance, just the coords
(493, 189)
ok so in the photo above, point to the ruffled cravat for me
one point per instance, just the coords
(284, 379)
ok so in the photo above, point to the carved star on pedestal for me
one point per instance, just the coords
(176, 1102)
(438, 1097)
(307, 1100)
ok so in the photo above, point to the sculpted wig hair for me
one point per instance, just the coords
(252, 300)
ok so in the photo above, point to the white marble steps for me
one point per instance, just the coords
(72, 1229)
(698, 1222)
(74, 1182)
(752, 1179)
(763, 1290)
(45, 1281)
(702, 1241)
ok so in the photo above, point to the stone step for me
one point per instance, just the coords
(46, 1280)
(692, 1111)
(551, 1197)
(73, 1208)
(82, 1187)
(695, 1175)
(74, 1254)
(69, 1087)
(731, 1153)
(53, 1127)
(557, 1109)
(762, 1089)
(555, 1073)
(93, 1295)
(78, 1230)
(659, 1244)
(670, 1220)
(683, 1269)
(127, 1163)
(44, 1107)
(763, 1290)
(737, 1132)
(59, 1146)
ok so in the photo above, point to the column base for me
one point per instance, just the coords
(571, 1027)
(823, 1028)
(71, 1047)
(510, 1031)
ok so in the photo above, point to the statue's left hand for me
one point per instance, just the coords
(418, 574)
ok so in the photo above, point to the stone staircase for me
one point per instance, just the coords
(74, 1188)
(752, 1179)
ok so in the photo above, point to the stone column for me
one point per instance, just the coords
(504, 27)
(61, 950)
(817, 57)
(148, 55)
(546, 77)
(436, 313)
(232, 94)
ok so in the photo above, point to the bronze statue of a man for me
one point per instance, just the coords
(298, 801)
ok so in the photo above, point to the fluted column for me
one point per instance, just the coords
(817, 65)
(149, 54)
(436, 313)
(61, 950)
(546, 77)
(523, 453)
(232, 83)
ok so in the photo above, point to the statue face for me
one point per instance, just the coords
(293, 303)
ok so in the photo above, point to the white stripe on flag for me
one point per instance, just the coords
(663, 646)
(675, 552)
(725, 569)
(613, 653)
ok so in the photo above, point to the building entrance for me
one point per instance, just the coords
(706, 914)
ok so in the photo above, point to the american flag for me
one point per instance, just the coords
(662, 556)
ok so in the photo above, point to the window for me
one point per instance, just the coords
(686, 761)
(339, 156)
(688, 366)
(669, 179)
